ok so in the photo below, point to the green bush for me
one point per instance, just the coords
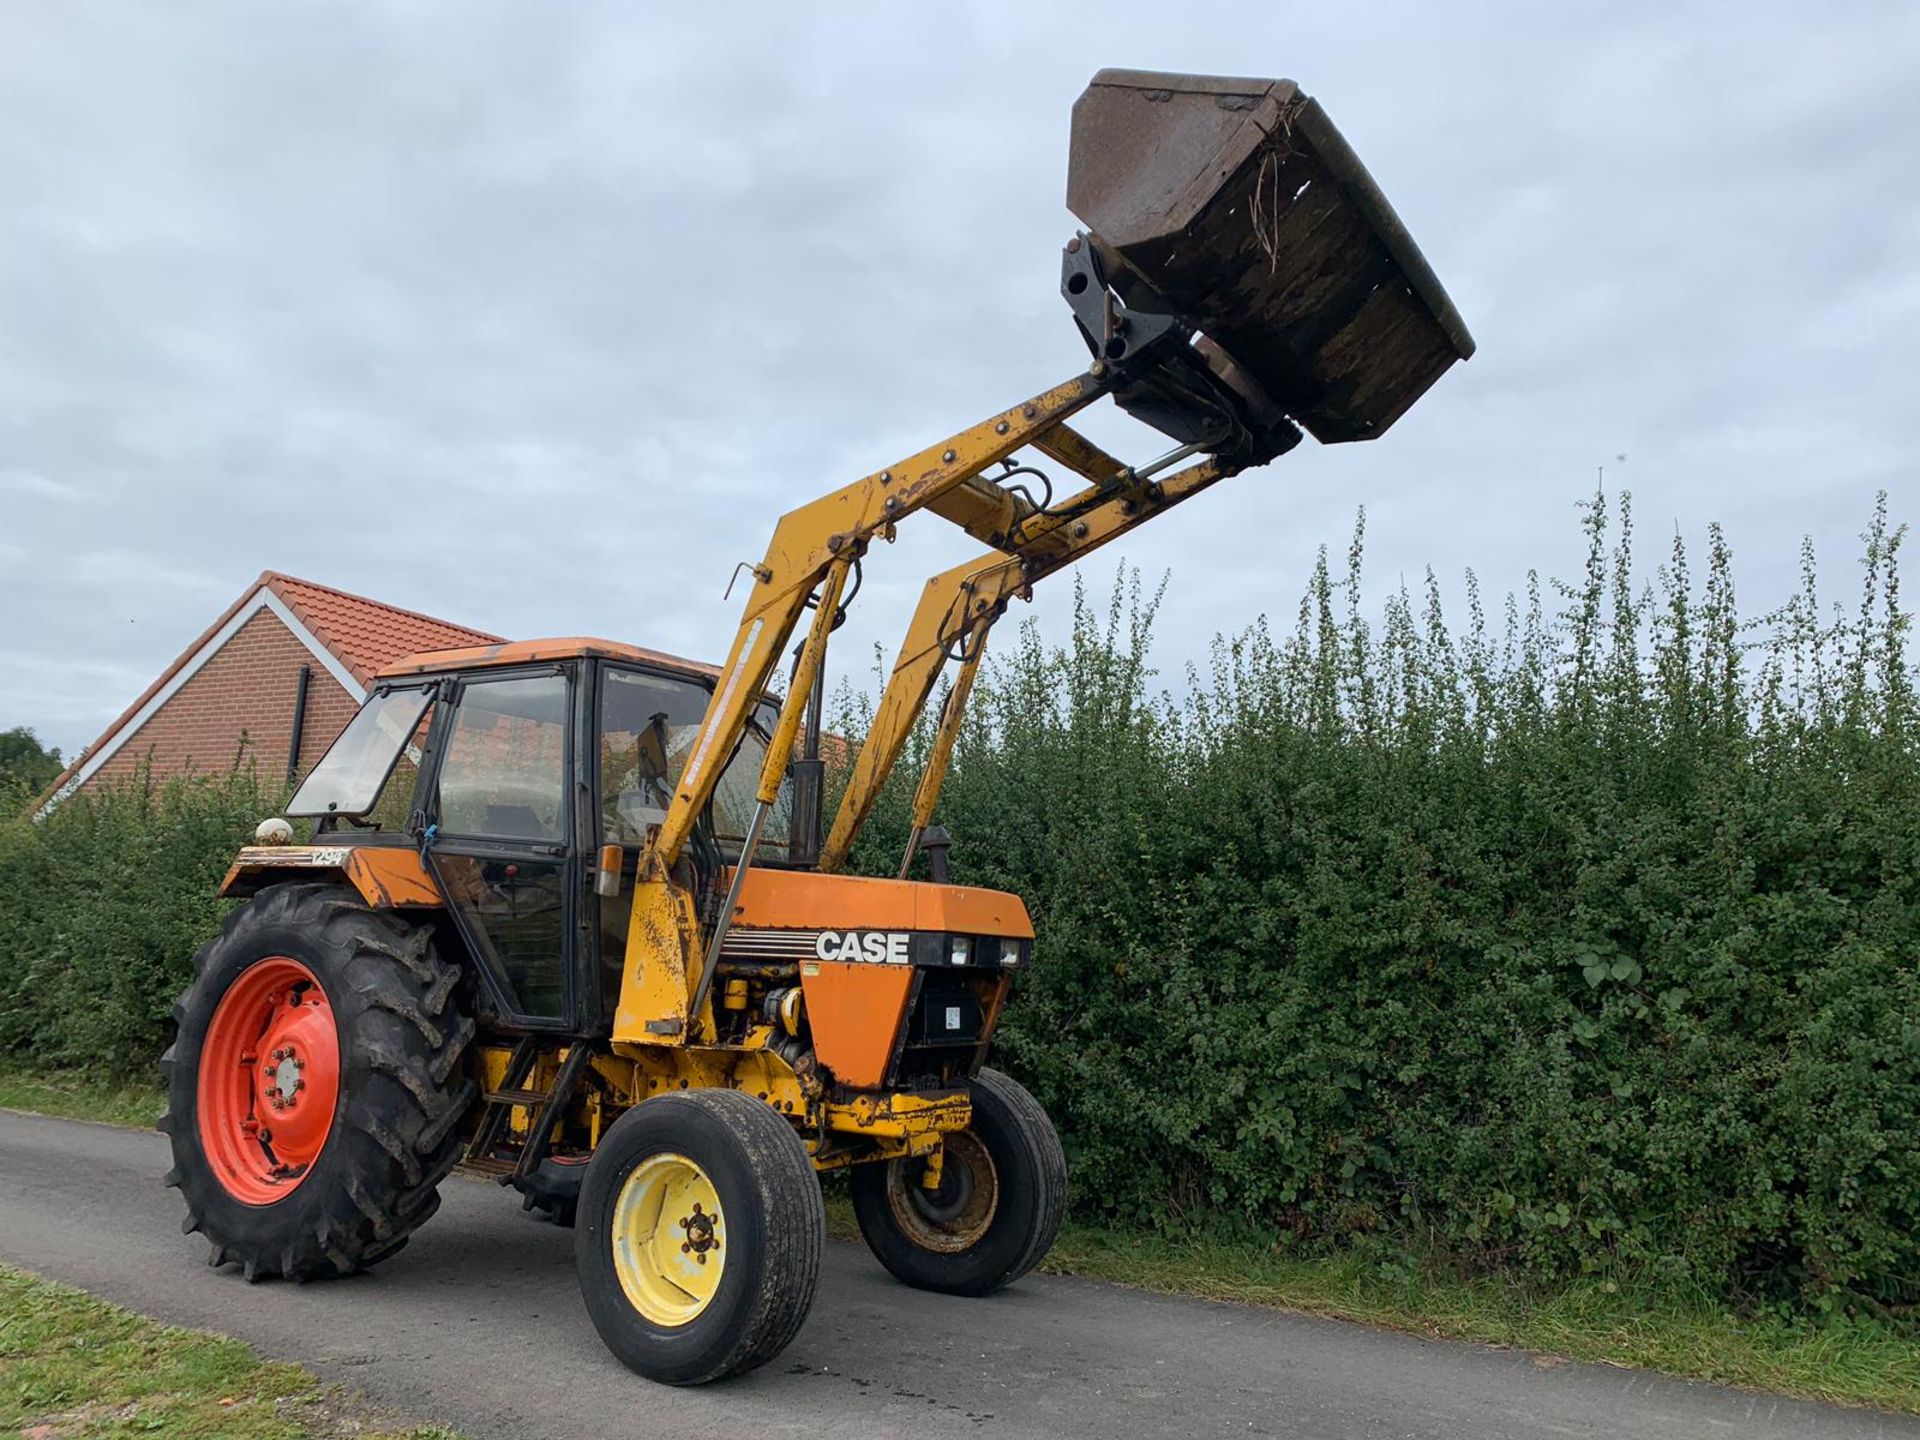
(102, 906)
(1588, 941)
(1582, 943)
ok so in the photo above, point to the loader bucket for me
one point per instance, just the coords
(1236, 205)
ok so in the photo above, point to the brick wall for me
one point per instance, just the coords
(245, 690)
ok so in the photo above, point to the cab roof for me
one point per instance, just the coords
(529, 652)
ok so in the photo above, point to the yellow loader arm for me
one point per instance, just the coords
(959, 606)
(1241, 278)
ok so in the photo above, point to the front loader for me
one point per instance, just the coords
(568, 917)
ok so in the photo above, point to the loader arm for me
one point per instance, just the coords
(959, 606)
(1240, 278)
(662, 997)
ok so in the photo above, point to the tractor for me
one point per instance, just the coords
(568, 914)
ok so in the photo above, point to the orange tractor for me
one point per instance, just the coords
(568, 917)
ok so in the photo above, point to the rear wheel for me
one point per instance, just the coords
(314, 1087)
(997, 1206)
(698, 1237)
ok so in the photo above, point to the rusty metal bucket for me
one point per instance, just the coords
(1236, 205)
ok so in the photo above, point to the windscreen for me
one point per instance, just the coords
(348, 779)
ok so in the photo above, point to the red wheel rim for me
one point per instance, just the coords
(269, 1080)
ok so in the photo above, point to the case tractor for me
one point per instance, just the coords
(567, 914)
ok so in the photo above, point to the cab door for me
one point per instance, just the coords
(500, 814)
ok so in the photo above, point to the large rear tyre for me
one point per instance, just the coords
(699, 1233)
(314, 1088)
(996, 1210)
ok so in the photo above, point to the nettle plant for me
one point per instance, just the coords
(1580, 939)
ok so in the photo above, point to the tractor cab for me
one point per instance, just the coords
(516, 787)
(521, 775)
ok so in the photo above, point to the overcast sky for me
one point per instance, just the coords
(535, 316)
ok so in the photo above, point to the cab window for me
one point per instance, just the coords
(648, 724)
(371, 766)
(504, 774)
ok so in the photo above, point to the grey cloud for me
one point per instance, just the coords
(536, 316)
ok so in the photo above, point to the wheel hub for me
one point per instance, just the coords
(669, 1236)
(700, 1235)
(956, 1212)
(269, 1080)
(283, 1078)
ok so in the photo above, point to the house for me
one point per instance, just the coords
(275, 678)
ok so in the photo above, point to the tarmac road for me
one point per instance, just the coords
(477, 1323)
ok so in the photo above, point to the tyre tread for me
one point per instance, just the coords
(400, 1026)
(1043, 1142)
(768, 1155)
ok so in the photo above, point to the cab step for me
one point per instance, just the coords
(491, 1136)
(530, 1098)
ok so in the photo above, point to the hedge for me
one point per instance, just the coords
(1581, 942)
(102, 907)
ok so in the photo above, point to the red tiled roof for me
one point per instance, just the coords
(362, 634)
(365, 634)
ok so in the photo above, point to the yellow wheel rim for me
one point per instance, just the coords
(669, 1239)
(955, 1216)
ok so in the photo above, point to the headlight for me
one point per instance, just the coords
(960, 950)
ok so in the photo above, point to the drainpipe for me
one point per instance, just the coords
(299, 720)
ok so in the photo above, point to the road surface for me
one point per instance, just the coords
(477, 1323)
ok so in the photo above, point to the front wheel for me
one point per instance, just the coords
(997, 1206)
(698, 1236)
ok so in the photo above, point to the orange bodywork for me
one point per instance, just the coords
(807, 900)
(387, 877)
(856, 1011)
(855, 1008)
(538, 652)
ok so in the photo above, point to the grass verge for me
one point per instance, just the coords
(1638, 1326)
(75, 1097)
(1610, 1322)
(1839, 1359)
(73, 1368)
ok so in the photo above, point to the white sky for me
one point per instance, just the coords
(535, 316)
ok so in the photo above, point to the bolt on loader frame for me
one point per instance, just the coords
(582, 964)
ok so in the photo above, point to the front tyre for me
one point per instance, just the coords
(314, 1089)
(698, 1236)
(996, 1210)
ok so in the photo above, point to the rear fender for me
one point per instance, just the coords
(387, 877)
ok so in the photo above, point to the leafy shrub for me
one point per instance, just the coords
(1585, 942)
(102, 906)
